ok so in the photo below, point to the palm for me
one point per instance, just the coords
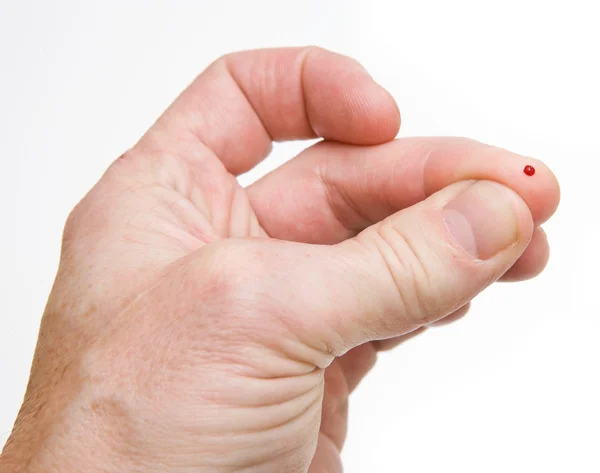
(176, 224)
(239, 220)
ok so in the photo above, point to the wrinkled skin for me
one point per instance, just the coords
(197, 326)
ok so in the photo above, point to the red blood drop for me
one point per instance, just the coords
(529, 170)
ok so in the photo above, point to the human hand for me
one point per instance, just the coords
(198, 326)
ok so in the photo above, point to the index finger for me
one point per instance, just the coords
(331, 191)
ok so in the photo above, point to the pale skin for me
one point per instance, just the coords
(197, 326)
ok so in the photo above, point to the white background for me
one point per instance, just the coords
(514, 386)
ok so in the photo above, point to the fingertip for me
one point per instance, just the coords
(544, 196)
(533, 260)
(452, 159)
(344, 103)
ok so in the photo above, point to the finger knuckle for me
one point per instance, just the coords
(421, 299)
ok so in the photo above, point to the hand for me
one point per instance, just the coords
(196, 326)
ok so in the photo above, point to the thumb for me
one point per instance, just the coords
(414, 267)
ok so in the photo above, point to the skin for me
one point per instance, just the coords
(197, 326)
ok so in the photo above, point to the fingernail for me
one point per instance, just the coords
(481, 219)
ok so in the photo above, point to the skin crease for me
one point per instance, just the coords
(196, 326)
